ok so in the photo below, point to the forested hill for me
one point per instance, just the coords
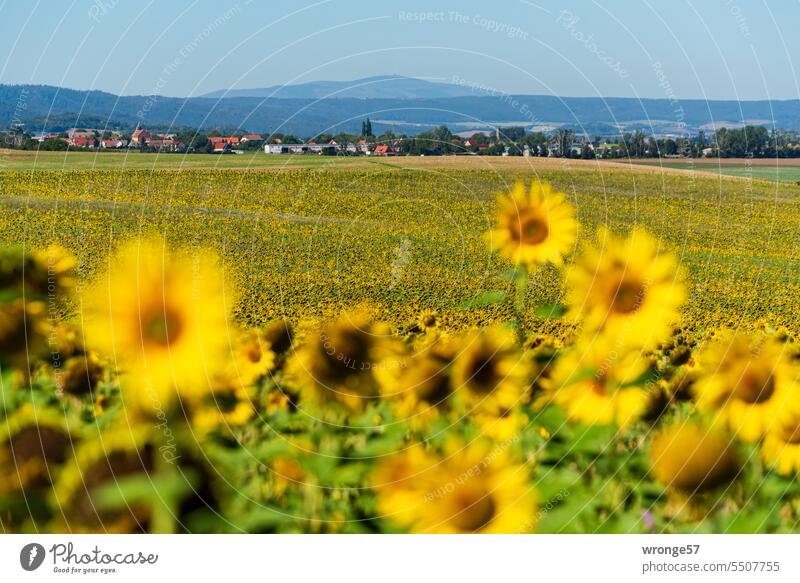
(43, 107)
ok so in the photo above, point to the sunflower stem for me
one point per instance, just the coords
(520, 295)
(164, 506)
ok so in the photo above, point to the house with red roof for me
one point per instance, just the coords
(232, 140)
(383, 150)
(44, 136)
(80, 142)
(476, 145)
(139, 138)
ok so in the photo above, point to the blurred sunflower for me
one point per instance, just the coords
(79, 375)
(595, 383)
(781, 446)
(533, 227)
(468, 489)
(44, 273)
(132, 478)
(502, 426)
(54, 275)
(253, 355)
(398, 472)
(163, 319)
(691, 459)
(489, 372)
(75, 370)
(280, 334)
(227, 405)
(229, 400)
(23, 332)
(419, 384)
(337, 363)
(626, 289)
(104, 461)
(33, 443)
(286, 472)
(747, 381)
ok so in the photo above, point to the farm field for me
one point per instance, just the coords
(68, 161)
(338, 348)
(407, 233)
(784, 169)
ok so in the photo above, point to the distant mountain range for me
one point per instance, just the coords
(402, 104)
(381, 87)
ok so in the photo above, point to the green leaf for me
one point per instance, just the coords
(551, 311)
(144, 488)
(263, 519)
(755, 520)
(592, 439)
(485, 299)
(351, 474)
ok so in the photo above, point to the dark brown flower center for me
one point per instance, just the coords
(475, 514)
(347, 352)
(163, 326)
(435, 389)
(531, 230)
(628, 297)
(791, 432)
(253, 352)
(43, 442)
(225, 401)
(755, 388)
(279, 335)
(483, 375)
(599, 385)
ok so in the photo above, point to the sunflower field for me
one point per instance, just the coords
(396, 349)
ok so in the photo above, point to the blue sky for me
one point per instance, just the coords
(705, 49)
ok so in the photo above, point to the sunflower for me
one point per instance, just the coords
(104, 461)
(337, 362)
(23, 332)
(596, 383)
(229, 402)
(534, 227)
(747, 381)
(469, 489)
(489, 372)
(398, 473)
(419, 384)
(54, 273)
(130, 479)
(428, 320)
(502, 426)
(163, 319)
(286, 473)
(253, 355)
(781, 446)
(47, 273)
(690, 459)
(79, 375)
(626, 289)
(280, 334)
(32, 444)
(227, 405)
(286, 470)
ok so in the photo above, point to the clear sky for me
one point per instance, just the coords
(705, 49)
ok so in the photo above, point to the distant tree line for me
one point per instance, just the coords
(748, 141)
